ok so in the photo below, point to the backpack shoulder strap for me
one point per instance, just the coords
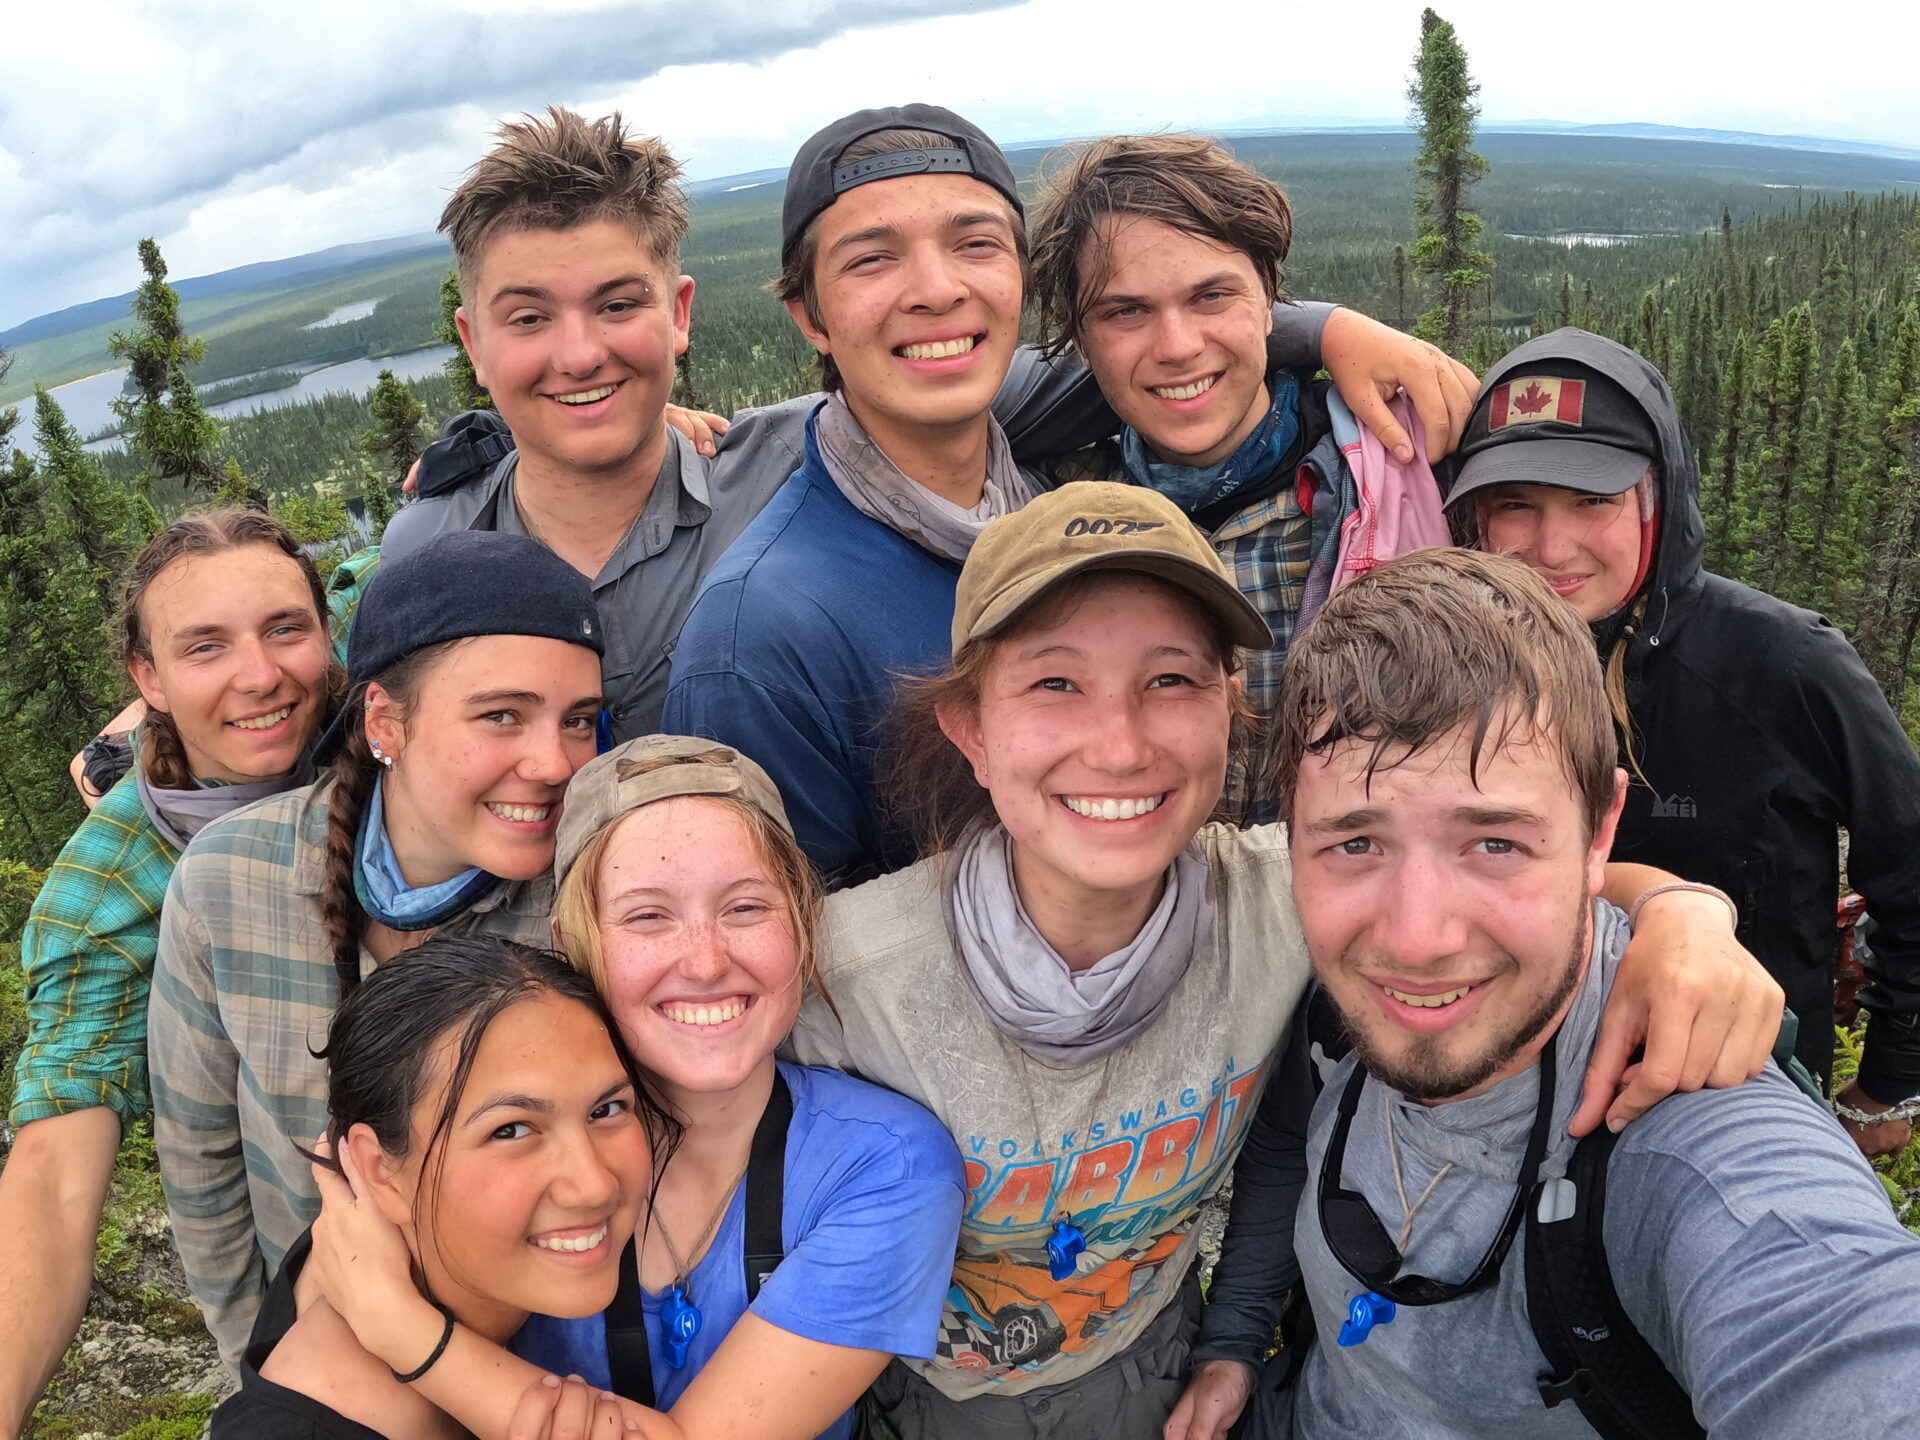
(1595, 1356)
(766, 1187)
(629, 1359)
(629, 1356)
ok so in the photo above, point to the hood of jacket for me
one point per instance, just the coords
(1674, 578)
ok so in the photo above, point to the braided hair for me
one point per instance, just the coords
(354, 773)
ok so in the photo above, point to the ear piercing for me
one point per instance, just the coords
(379, 757)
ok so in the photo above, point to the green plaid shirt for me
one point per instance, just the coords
(243, 992)
(88, 953)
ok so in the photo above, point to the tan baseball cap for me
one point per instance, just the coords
(655, 767)
(1093, 525)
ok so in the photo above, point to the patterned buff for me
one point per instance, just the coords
(1029, 993)
(1201, 487)
(383, 891)
(880, 490)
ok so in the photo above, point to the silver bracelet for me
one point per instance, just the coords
(1633, 915)
(1906, 1110)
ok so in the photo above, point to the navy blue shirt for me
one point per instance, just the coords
(790, 655)
(870, 1220)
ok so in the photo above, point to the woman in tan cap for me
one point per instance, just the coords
(802, 1230)
(1088, 982)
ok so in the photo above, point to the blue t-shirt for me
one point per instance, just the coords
(791, 653)
(870, 1221)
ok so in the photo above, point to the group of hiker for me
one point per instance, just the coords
(785, 927)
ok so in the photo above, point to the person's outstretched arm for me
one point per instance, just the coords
(51, 1193)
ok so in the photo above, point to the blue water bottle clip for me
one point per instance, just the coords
(1363, 1314)
(1064, 1247)
(680, 1319)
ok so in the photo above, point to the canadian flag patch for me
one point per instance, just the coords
(1535, 399)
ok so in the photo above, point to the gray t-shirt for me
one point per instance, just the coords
(1748, 1240)
(647, 586)
(1129, 1146)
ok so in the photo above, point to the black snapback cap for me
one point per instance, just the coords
(814, 182)
(1556, 423)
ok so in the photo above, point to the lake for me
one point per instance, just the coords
(86, 401)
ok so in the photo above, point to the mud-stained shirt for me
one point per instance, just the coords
(1127, 1148)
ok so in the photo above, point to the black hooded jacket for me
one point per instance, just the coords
(1760, 734)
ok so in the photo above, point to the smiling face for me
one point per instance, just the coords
(1176, 334)
(1102, 735)
(574, 334)
(698, 944)
(1448, 919)
(918, 289)
(239, 660)
(526, 1204)
(483, 754)
(1586, 546)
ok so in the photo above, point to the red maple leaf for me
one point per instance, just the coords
(1532, 400)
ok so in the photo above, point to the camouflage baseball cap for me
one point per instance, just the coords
(655, 767)
(1093, 525)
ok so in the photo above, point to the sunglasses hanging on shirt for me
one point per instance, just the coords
(1366, 1251)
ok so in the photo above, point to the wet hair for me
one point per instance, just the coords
(163, 754)
(386, 1036)
(354, 773)
(1188, 182)
(797, 280)
(1434, 642)
(576, 909)
(929, 788)
(564, 171)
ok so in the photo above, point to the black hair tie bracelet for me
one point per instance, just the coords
(438, 1350)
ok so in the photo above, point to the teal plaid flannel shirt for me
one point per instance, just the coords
(88, 954)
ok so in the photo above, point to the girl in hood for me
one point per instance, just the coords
(1750, 729)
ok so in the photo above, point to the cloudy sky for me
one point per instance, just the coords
(236, 130)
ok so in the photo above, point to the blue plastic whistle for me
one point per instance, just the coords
(1363, 1314)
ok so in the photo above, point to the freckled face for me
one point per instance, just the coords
(702, 960)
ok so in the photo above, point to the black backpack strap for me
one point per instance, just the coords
(629, 1357)
(1595, 1356)
(766, 1187)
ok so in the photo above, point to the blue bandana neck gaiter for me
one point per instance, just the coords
(1201, 487)
(383, 891)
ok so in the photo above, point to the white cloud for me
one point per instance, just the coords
(240, 131)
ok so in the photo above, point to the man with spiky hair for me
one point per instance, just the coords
(567, 237)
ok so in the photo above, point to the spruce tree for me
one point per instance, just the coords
(84, 511)
(1447, 234)
(165, 422)
(1834, 556)
(399, 428)
(467, 394)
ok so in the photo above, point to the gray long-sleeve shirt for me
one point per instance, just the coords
(1747, 1239)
